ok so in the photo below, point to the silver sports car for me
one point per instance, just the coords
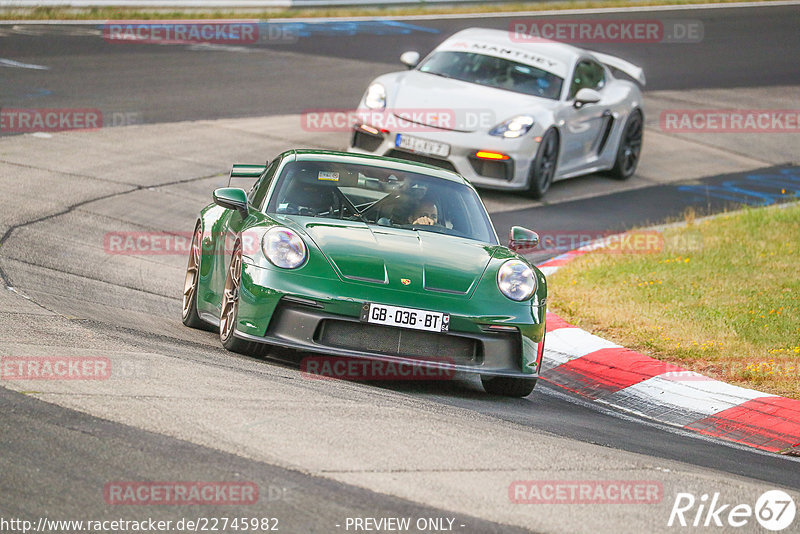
(506, 114)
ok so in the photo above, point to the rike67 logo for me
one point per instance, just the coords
(774, 510)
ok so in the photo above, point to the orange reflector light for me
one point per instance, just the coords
(502, 328)
(370, 129)
(537, 139)
(485, 154)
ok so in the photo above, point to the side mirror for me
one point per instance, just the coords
(521, 239)
(232, 198)
(587, 96)
(410, 59)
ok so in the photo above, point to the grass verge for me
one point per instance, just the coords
(132, 13)
(721, 298)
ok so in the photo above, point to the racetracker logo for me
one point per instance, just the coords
(634, 242)
(180, 493)
(178, 243)
(730, 120)
(605, 31)
(328, 367)
(585, 492)
(28, 120)
(54, 368)
(397, 120)
(182, 31)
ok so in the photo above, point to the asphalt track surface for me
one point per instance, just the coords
(55, 459)
(740, 48)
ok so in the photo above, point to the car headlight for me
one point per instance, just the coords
(513, 127)
(516, 280)
(375, 97)
(283, 248)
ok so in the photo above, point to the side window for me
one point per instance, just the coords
(260, 188)
(588, 74)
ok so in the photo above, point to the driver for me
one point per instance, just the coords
(425, 213)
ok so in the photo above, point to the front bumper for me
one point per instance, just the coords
(296, 312)
(511, 174)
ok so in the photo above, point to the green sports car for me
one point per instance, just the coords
(358, 256)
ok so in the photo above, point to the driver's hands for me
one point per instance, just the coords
(424, 220)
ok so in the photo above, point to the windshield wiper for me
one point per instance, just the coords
(439, 74)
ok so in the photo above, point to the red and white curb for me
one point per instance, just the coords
(604, 372)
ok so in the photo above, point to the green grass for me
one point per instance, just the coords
(121, 13)
(722, 298)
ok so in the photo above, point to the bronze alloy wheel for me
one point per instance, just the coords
(192, 272)
(190, 316)
(230, 296)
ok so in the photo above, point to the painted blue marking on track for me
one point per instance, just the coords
(753, 189)
(352, 27)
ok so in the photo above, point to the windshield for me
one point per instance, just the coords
(494, 72)
(380, 196)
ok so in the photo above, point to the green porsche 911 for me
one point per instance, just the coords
(361, 256)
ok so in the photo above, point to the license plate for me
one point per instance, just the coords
(422, 146)
(405, 317)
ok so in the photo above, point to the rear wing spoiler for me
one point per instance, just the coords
(620, 64)
(245, 170)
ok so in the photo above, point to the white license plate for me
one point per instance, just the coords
(422, 146)
(405, 317)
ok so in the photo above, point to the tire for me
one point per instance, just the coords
(189, 314)
(630, 147)
(508, 386)
(229, 310)
(543, 167)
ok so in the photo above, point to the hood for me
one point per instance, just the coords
(457, 105)
(386, 256)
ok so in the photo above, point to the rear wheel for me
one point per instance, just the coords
(508, 386)
(190, 316)
(543, 167)
(630, 147)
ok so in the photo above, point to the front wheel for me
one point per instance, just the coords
(630, 147)
(230, 311)
(508, 386)
(543, 167)
(230, 304)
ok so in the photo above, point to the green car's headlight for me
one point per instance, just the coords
(283, 248)
(516, 280)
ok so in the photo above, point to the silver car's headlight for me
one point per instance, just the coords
(516, 280)
(283, 248)
(513, 127)
(375, 97)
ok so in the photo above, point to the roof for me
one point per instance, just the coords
(307, 154)
(505, 46)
